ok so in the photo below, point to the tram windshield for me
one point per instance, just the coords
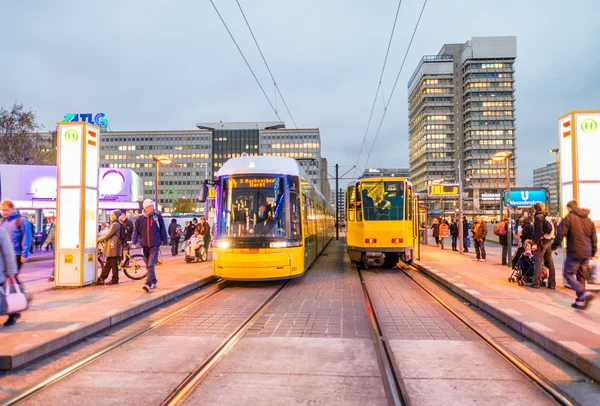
(255, 208)
(382, 200)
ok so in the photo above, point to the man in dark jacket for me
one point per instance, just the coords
(479, 233)
(454, 234)
(150, 230)
(582, 244)
(173, 233)
(465, 225)
(503, 239)
(541, 243)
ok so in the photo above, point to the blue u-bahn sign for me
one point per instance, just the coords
(527, 197)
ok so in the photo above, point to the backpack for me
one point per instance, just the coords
(549, 231)
(500, 228)
(178, 232)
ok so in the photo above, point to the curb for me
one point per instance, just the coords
(568, 355)
(13, 361)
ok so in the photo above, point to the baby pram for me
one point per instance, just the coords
(524, 266)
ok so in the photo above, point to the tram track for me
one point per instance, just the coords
(527, 370)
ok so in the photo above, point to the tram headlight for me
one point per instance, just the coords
(285, 244)
(223, 244)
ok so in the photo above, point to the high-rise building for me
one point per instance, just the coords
(461, 112)
(198, 154)
(545, 177)
(396, 172)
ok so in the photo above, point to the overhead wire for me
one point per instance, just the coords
(395, 84)
(387, 53)
(278, 90)
(245, 60)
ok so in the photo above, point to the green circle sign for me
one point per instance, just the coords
(589, 125)
(71, 136)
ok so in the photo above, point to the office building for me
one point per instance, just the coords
(394, 172)
(461, 112)
(545, 177)
(198, 154)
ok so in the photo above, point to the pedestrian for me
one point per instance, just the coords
(103, 229)
(435, 226)
(543, 234)
(126, 235)
(443, 231)
(454, 234)
(175, 234)
(32, 225)
(8, 268)
(50, 237)
(582, 244)
(18, 229)
(479, 232)
(204, 229)
(112, 250)
(503, 229)
(466, 227)
(151, 232)
(188, 232)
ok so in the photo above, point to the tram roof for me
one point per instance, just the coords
(260, 164)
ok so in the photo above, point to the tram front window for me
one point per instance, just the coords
(253, 208)
(382, 200)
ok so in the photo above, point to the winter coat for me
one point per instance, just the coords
(503, 239)
(538, 226)
(204, 231)
(527, 232)
(126, 230)
(112, 240)
(188, 232)
(8, 260)
(580, 232)
(173, 229)
(465, 225)
(479, 231)
(21, 237)
(436, 230)
(454, 229)
(150, 230)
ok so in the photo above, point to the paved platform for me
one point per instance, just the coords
(544, 316)
(59, 317)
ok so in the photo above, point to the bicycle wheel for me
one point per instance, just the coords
(136, 269)
(160, 257)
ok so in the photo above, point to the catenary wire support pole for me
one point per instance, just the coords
(460, 211)
(509, 231)
(337, 203)
(156, 186)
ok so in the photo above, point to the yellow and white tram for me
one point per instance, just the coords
(382, 221)
(271, 222)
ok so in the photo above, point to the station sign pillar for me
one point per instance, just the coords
(76, 256)
(579, 143)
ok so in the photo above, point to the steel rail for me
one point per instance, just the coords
(392, 384)
(187, 386)
(532, 374)
(207, 291)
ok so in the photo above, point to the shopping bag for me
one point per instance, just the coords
(12, 297)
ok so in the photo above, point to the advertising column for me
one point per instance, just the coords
(77, 204)
(579, 142)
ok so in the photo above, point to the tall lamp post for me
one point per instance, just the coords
(159, 159)
(558, 206)
(498, 157)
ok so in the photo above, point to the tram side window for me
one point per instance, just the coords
(351, 199)
(296, 225)
(359, 214)
(409, 206)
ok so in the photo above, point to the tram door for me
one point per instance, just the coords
(416, 227)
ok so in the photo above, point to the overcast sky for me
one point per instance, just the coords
(166, 65)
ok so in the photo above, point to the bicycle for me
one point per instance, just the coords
(132, 265)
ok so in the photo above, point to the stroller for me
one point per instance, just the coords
(524, 266)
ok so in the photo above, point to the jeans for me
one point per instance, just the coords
(574, 267)
(466, 244)
(479, 248)
(505, 254)
(174, 245)
(543, 256)
(454, 242)
(150, 258)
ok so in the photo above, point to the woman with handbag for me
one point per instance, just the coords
(8, 272)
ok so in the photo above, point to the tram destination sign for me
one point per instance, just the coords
(448, 189)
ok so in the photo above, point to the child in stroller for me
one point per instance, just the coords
(524, 266)
(195, 251)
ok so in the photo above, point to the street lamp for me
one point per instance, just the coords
(498, 157)
(159, 159)
(558, 206)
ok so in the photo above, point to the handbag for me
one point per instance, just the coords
(12, 300)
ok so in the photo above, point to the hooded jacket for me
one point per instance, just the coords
(112, 240)
(150, 230)
(20, 236)
(538, 226)
(580, 233)
(479, 230)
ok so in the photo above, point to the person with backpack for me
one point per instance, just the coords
(19, 230)
(435, 226)
(543, 234)
(175, 232)
(150, 230)
(582, 245)
(479, 233)
(501, 229)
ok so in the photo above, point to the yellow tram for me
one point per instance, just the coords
(382, 221)
(271, 222)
